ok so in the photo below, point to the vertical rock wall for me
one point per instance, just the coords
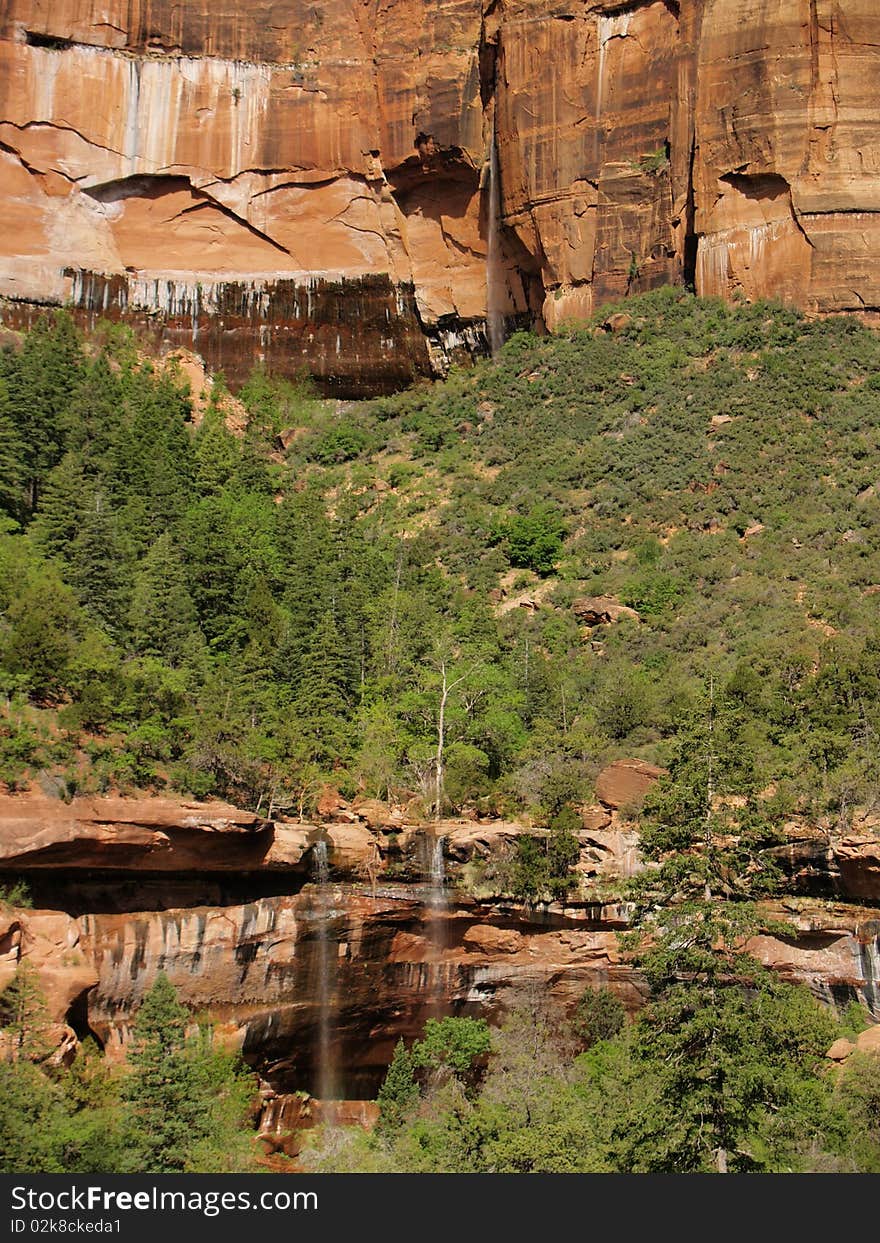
(307, 183)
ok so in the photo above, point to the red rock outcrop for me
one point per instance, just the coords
(152, 834)
(394, 961)
(255, 969)
(626, 782)
(230, 910)
(300, 183)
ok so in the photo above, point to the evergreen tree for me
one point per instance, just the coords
(399, 1092)
(216, 453)
(163, 617)
(65, 499)
(41, 382)
(92, 418)
(188, 1104)
(31, 1112)
(43, 625)
(152, 459)
(12, 458)
(24, 1017)
(97, 566)
(163, 1089)
(321, 694)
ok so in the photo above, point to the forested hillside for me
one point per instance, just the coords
(655, 536)
(189, 607)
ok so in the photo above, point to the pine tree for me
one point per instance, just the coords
(321, 696)
(152, 459)
(163, 1087)
(399, 1091)
(92, 419)
(97, 566)
(41, 382)
(24, 1017)
(188, 1104)
(64, 500)
(163, 616)
(43, 623)
(216, 453)
(12, 458)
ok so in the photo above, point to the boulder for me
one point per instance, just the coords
(868, 1041)
(626, 782)
(602, 611)
(594, 819)
(489, 939)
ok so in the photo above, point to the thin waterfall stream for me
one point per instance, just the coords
(328, 1071)
(437, 913)
(495, 296)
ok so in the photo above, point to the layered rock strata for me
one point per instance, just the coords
(315, 185)
(230, 907)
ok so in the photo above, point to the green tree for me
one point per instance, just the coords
(453, 1045)
(162, 1090)
(533, 540)
(399, 1092)
(41, 381)
(163, 617)
(43, 625)
(30, 1113)
(24, 1016)
(12, 465)
(600, 1015)
(186, 1101)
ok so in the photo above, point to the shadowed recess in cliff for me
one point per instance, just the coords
(92, 891)
(360, 337)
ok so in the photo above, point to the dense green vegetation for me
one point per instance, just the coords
(723, 1073)
(389, 604)
(186, 608)
(180, 1105)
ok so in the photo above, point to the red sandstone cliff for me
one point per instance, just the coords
(311, 183)
(226, 904)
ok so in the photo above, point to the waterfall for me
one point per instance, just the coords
(495, 300)
(437, 872)
(435, 920)
(322, 865)
(614, 27)
(328, 1086)
(869, 961)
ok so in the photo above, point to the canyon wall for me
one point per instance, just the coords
(294, 962)
(311, 184)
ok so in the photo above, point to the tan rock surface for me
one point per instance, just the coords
(312, 183)
(857, 857)
(868, 1041)
(154, 834)
(626, 782)
(601, 610)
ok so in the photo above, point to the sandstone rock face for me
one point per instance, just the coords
(601, 611)
(821, 860)
(626, 782)
(834, 949)
(162, 835)
(316, 184)
(275, 949)
(255, 969)
(394, 962)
